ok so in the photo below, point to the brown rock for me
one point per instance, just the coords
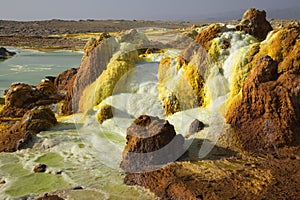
(20, 134)
(63, 80)
(151, 142)
(207, 35)
(50, 197)
(21, 97)
(254, 22)
(268, 115)
(64, 84)
(67, 107)
(40, 168)
(196, 126)
(165, 183)
(47, 88)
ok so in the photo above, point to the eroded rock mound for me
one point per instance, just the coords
(151, 142)
(254, 22)
(64, 83)
(21, 97)
(268, 115)
(33, 122)
(207, 35)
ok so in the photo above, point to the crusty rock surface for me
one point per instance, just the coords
(21, 133)
(268, 115)
(254, 22)
(151, 142)
(21, 97)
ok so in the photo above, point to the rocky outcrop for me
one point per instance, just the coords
(268, 116)
(105, 63)
(64, 83)
(21, 97)
(181, 85)
(254, 22)
(205, 36)
(63, 80)
(151, 143)
(4, 53)
(20, 134)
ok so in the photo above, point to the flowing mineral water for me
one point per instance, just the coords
(80, 152)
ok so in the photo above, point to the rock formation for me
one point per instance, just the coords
(64, 83)
(21, 133)
(254, 22)
(205, 36)
(21, 97)
(104, 64)
(151, 143)
(266, 111)
(268, 116)
(4, 53)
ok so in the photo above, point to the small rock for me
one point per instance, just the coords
(78, 188)
(196, 126)
(50, 197)
(40, 168)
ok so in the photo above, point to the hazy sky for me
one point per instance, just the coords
(131, 9)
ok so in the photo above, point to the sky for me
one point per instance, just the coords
(27, 10)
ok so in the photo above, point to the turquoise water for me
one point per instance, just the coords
(30, 66)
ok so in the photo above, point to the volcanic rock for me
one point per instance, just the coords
(105, 63)
(21, 97)
(151, 143)
(254, 22)
(196, 126)
(64, 83)
(20, 134)
(40, 168)
(268, 116)
(205, 37)
(4, 53)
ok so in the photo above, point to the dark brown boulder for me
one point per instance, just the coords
(254, 22)
(64, 83)
(151, 143)
(20, 134)
(63, 80)
(196, 126)
(21, 97)
(40, 168)
(268, 115)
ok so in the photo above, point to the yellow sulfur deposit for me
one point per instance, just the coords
(106, 82)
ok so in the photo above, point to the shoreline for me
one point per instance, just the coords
(244, 173)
